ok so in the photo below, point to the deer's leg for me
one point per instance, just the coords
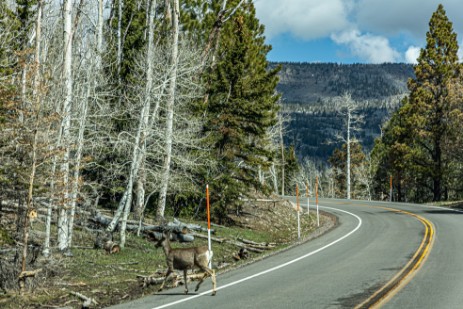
(208, 272)
(169, 271)
(185, 279)
(214, 283)
(201, 280)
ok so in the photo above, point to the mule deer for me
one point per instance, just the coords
(184, 259)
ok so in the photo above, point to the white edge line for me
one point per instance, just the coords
(274, 268)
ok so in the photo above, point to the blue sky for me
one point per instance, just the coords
(351, 31)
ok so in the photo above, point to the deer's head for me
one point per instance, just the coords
(164, 240)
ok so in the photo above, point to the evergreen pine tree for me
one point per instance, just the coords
(242, 105)
(391, 157)
(416, 148)
(428, 110)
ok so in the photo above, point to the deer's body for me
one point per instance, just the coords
(185, 259)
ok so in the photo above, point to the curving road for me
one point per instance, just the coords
(343, 268)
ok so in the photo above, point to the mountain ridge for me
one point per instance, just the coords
(309, 91)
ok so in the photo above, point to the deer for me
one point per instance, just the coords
(185, 259)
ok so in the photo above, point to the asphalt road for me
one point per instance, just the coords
(346, 266)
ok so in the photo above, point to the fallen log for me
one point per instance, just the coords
(176, 279)
(256, 244)
(242, 245)
(87, 300)
(149, 280)
(176, 227)
(216, 239)
(24, 275)
(155, 236)
(189, 226)
(29, 273)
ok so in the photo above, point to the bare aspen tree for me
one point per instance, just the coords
(119, 39)
(349, 120)
(79, 149)
(79, 144)
(330, 177)
(170, 110)
(138, 148)
(274, 144)
(36, 110)
(52, 57)
(66, 126)
(348, 109)
(282, 149)
(187, 156)
(365, 175)
(38, 38)
(273, 173)
(99, 31)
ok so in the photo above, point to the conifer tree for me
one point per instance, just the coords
(428, 110)
(417, 145)
(242, 105)
(391, 157)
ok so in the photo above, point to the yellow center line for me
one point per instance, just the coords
(401, 279)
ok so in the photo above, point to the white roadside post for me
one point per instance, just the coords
(316, 199)
(209, 227)
(390, 188)
(307, 195)
(298, 215)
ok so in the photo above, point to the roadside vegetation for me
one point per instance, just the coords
(109, 279)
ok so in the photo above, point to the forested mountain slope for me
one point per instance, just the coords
(309, 91)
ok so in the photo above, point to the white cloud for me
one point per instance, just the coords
(371, 48)
(412, 54)
(405, 23)
(398, 16)
(305, 19)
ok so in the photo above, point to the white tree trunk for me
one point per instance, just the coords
(63, 230)
(273, 172)
(139, 143)
(119, 38)
(35, 123)
(140, 192)
(349, 115)
(347, 107)
(282, 148)
(78, 159)
(38, 38)
(99, 44)
(170, 111)
(51, 202)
